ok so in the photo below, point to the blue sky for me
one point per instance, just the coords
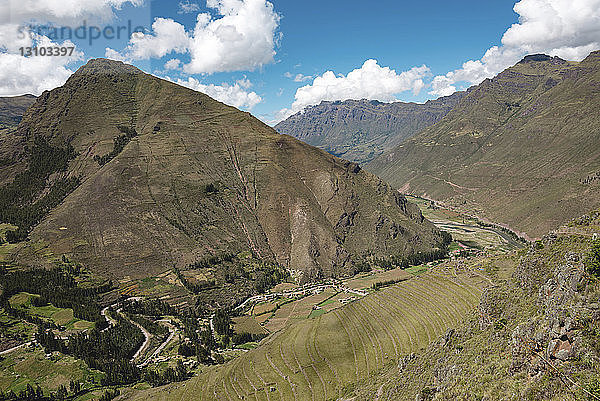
(272, 57)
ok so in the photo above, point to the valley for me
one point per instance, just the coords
(152, 252)
(383, 315)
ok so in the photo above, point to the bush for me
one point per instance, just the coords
(592, 262)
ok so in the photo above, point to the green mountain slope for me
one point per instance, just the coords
(521, 149)
(167, 176)
(534, 336)
(360, 130)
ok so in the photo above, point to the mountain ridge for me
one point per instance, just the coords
(360, 130)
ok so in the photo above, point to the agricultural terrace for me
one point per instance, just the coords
(325, 357)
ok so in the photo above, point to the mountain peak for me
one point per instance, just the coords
(532, 58)
(107, 66)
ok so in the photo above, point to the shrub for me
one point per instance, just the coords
(592, 262)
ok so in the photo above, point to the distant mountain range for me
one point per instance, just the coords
(107, 171)
(522, 148)
(12, 109)
(361, 130)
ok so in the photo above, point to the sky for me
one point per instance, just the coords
(275, 58)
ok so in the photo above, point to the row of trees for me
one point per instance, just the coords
(29, 394)
(32, 394)
(381, 284)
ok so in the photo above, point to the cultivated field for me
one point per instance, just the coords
(325, 357)
(465, 229)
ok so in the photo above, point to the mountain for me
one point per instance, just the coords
(12, 109)
(133, 175)
(360, 130)
(522, 149)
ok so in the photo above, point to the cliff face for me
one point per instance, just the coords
(168, 176)
(360, 130)
(520, 149)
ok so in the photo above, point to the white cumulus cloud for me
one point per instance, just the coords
(236, 95)
(242, 37)
(371, 81)
(167, 36)
(565, 28)
(59, 11)
(185, 7)
(173, 64)
(19, 74)
(298, 77)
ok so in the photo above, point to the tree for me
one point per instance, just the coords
(222, 322)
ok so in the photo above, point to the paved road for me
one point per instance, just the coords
(147, 336)
(112, 322)
(173, 331)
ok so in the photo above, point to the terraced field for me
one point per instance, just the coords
(325, 357)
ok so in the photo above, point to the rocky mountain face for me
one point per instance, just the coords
(12, 109)
(360, 130)
(146, 175)
(521, 149)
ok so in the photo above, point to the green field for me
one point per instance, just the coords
(24, 366)
(59, 316)
(326, 357)
(465, 229)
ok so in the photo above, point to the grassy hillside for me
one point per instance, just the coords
(535, 335)
(142, 175)
(329, 356)
(360, 130)
(520, 149)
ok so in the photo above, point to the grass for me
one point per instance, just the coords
(60, 316)
(247, 324)
(248, 346)
(21, 367)
(327, 356)
(316, 313)
(416, 270)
